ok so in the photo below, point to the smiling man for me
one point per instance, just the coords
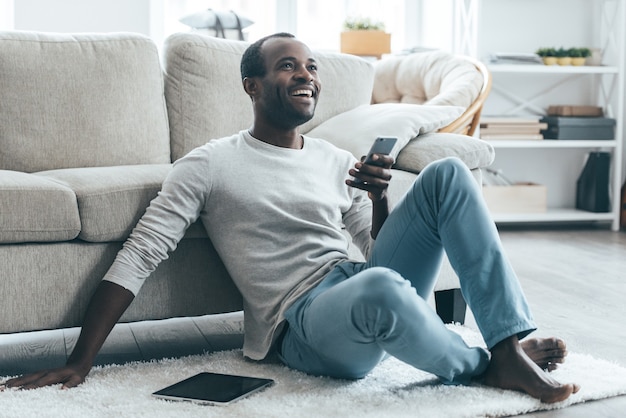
(274, 203)
(282, 103)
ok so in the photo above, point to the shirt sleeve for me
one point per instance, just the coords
(163, 225)
(358, 221)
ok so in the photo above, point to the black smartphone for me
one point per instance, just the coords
(213, 388)
(381, 145)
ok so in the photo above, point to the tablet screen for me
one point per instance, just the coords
(213, 388)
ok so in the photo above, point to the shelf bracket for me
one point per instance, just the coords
(524, 103)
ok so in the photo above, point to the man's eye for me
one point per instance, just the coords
(288, 65)
(313, 68)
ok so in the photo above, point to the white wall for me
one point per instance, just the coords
(525, 25)
(83, 15)
(140, 16)
(6, 14)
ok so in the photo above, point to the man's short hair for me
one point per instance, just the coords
(252, 62)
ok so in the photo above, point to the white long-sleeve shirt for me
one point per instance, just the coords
(274, 215)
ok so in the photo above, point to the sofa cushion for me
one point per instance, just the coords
(110, 199)
(80, 100)
(35, 209)
(202, 70)
(356, 129)
(424, 149)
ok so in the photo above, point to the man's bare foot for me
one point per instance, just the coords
(547, 353)
(511, 368)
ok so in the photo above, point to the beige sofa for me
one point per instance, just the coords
(89, 127)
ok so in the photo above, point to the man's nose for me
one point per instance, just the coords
(303, 73)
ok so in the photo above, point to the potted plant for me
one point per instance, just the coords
(562, 56)
(548, 55)
(579, 55)
(362, 36)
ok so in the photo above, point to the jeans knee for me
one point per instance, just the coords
(383, 304)
(449, 166)
(382, 287)
(449, 174)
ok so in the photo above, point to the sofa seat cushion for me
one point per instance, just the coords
(110, 199)
(80, 100)
(36, 209)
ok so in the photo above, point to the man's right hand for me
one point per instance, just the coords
(68, 376)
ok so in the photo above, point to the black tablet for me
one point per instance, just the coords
(213, 388)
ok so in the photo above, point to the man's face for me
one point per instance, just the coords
(291, 86)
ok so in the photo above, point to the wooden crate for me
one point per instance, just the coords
(372, 43)
(517, 198)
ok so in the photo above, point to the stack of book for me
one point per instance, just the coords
(514, 58)
(523, 128)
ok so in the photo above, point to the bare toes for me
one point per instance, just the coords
(511, 367)
(560, 394)
(547, 353)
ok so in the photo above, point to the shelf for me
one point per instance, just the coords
(552, 69)
(553, 215)
(551, 143)
(522, 89)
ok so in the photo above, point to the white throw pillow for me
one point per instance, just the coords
(356, 129)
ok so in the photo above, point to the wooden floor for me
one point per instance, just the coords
(574, 278)
(575, 281)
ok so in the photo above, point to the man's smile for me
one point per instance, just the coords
(302, 92)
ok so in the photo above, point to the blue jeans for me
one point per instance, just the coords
(361, 312)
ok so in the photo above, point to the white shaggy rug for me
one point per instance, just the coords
(393, 389)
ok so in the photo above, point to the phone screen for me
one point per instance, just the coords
(213, 388)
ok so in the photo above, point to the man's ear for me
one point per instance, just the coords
(251, 86)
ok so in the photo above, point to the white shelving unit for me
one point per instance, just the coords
(527, 89)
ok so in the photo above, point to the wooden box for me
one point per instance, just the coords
(567, 110)
(517, 198)
(372, 43)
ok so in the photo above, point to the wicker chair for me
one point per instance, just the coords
(470, 119)
(435, 78)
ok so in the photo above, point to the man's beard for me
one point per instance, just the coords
(280, 112)
(289, 118)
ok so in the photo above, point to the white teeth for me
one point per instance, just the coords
(303, 92)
